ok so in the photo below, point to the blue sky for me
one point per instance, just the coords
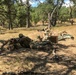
(34, 4)
(67, 3)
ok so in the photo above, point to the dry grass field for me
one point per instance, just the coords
(40, 60)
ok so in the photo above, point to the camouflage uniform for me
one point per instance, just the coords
(45, 45)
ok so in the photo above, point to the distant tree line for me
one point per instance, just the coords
(15, 13)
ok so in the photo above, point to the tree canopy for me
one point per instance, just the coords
(16, 13)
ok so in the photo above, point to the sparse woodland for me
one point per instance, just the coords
(19, 17)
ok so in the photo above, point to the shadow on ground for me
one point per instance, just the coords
(41, 58)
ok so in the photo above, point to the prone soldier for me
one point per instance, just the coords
(24, 41)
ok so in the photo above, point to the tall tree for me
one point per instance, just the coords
(10, 11)
(28, 7)
(27, 14)
(52, 16)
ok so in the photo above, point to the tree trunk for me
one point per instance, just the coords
(28, 14)
(71, 13)
(49, 20)
(71, 16)
(50, 17)
(10, 20)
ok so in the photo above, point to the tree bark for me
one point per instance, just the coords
(49, 20)
(27, 14)
(50, 17)
(9, 16)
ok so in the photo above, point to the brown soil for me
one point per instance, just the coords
(40, 60)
